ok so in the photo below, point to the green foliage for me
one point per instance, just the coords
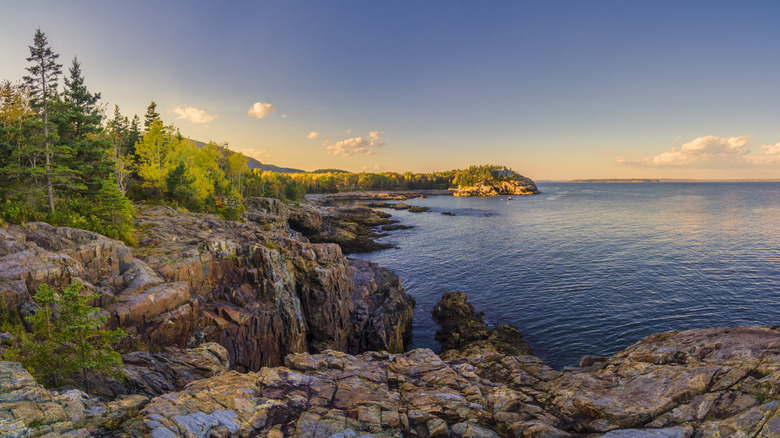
(334, 180)
(69, 338)
(179, 188)
(478, 174)
(79, 123)
(275, 185)
(116, 212)
(151, 115)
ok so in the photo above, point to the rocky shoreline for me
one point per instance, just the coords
(254, 329)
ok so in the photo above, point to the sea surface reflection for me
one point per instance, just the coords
(592, 268)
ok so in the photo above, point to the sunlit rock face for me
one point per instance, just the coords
(702, 383)
(257, 287)
(517, 185)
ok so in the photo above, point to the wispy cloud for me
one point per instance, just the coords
(707, 151)
(193, 115)
(312, 135)
(261, 109)
(356, 145)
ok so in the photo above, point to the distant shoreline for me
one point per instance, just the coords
(653, 180)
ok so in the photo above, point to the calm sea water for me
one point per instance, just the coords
(592, 268)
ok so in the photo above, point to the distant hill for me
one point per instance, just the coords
(331, 171)
(254, 164)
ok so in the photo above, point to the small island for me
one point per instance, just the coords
(493, 181)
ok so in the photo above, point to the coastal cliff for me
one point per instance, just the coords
(242, 329)
(258, 288)
(697, 383)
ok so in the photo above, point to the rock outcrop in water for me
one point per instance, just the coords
(464, 333)
(516, 185)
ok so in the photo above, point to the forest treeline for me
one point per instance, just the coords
(334, 180)
(63, 160)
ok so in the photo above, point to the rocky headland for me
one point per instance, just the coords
(248, 329)
(503, 182)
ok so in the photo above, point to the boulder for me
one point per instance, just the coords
(464, 333)
(153, 374)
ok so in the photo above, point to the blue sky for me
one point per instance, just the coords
(554, 89)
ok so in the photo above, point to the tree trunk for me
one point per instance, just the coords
(49, 187)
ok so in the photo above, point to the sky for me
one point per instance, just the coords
(553, 89)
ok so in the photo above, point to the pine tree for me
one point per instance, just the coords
(80, 122)
(134, 135)
(42, 84)
(116, 211)
(118, 133)
(88, 345)
(151, 115)
(70, 339)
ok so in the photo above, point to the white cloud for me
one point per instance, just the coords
(771, 149)
(348, 131)
(312, 135)
(707, 151)
(194, 115)
(261, 109)
(356, 145)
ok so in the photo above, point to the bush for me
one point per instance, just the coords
(69, 339)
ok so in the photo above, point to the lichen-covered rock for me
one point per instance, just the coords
(29, 410)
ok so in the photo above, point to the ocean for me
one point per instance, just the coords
(591, 268)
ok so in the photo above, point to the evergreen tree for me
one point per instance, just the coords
(116, 211)
(118, 131)
(133, 136)
(80, 122)
(179, 187)
(39, 355)
(69, 337)
(88, 345)
(151, 115)
(42, 84)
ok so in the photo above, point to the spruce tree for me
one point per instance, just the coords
(80, 122)
(69, 337)
(118, 133)
(42, 84)
(88, 346)
(151, 115)
(116, 211)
